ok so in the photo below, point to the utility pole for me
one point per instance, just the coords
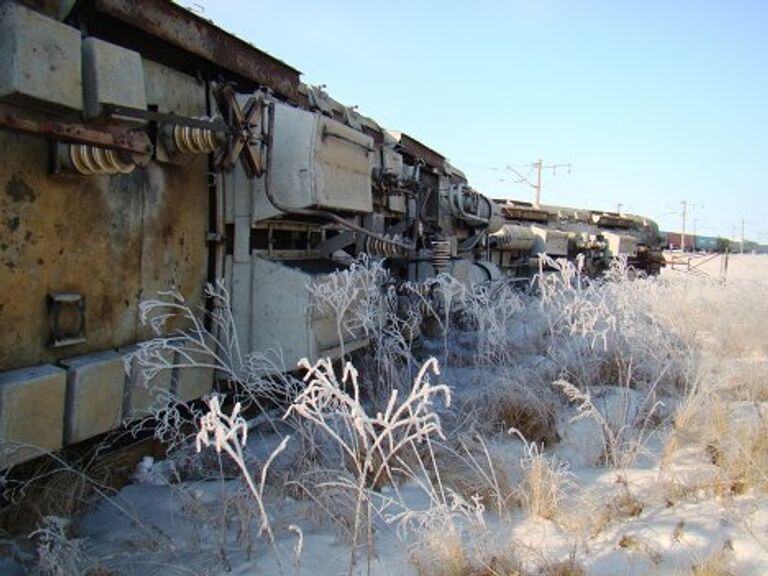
(686, 206)
(538, 166)
(742, 235)
(682, 234)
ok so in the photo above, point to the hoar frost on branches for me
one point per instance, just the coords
(370, 442)
(183, 342)
(352, 297)
(229, 433)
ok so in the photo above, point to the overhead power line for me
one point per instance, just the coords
(539, 166)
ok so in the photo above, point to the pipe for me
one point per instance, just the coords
(455, 195)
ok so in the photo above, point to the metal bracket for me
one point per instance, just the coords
(133, 141)
(246, 138)
(60, 303)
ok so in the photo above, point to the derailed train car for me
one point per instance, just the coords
(144, 149)
(560, 232)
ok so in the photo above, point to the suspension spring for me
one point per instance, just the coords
(377, 247)
(195, 140)
(441, 254)
(90, 160)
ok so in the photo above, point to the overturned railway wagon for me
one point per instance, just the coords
(144, 149)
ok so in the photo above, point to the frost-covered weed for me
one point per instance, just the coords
(438, 535)
(365, 302)
(185, 341)
(643, 337)
(394, 329)
(57, 553)
(370, 442)
(228, 434)
(544, 481)
(626, 422)
(492, 310)
(437, 300)
(484, 316)
(615, 330)
(351, 297)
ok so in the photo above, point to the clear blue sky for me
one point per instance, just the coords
(652, 102)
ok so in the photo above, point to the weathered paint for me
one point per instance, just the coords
(116, 240)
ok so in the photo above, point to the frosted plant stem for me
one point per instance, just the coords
(230, 434)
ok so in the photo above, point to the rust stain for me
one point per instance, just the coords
(199, 37)
(18, 190)
(112, 239)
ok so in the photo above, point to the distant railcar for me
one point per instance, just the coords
(675, 241)
(707, 243)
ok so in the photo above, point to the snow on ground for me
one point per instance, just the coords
(619, 467)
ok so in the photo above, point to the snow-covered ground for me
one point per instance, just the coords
(617, 429)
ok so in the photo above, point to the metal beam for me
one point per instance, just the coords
(187, 31)
(136, 142)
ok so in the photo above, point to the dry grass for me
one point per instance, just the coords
(544, 481)
(440, 553)
(471, 470)
(514, 407)
(716, 564)
(738, 444)
(450, 557)
(606, 506)
(64, 485)
(568, 567)
(732, 434)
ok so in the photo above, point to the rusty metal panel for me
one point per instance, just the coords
(183, 29)
(416, 149)
(175, 212)
(174, 251)
(64, 234)
(114, 240)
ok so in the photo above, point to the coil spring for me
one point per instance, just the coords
(190, 140)
(376, 247)
(503, 238)
(441, 254)
(420, 295)
(91, 160)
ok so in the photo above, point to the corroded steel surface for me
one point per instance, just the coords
(416, 149)
(183, 29)
(117, 139)
(115, 240)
